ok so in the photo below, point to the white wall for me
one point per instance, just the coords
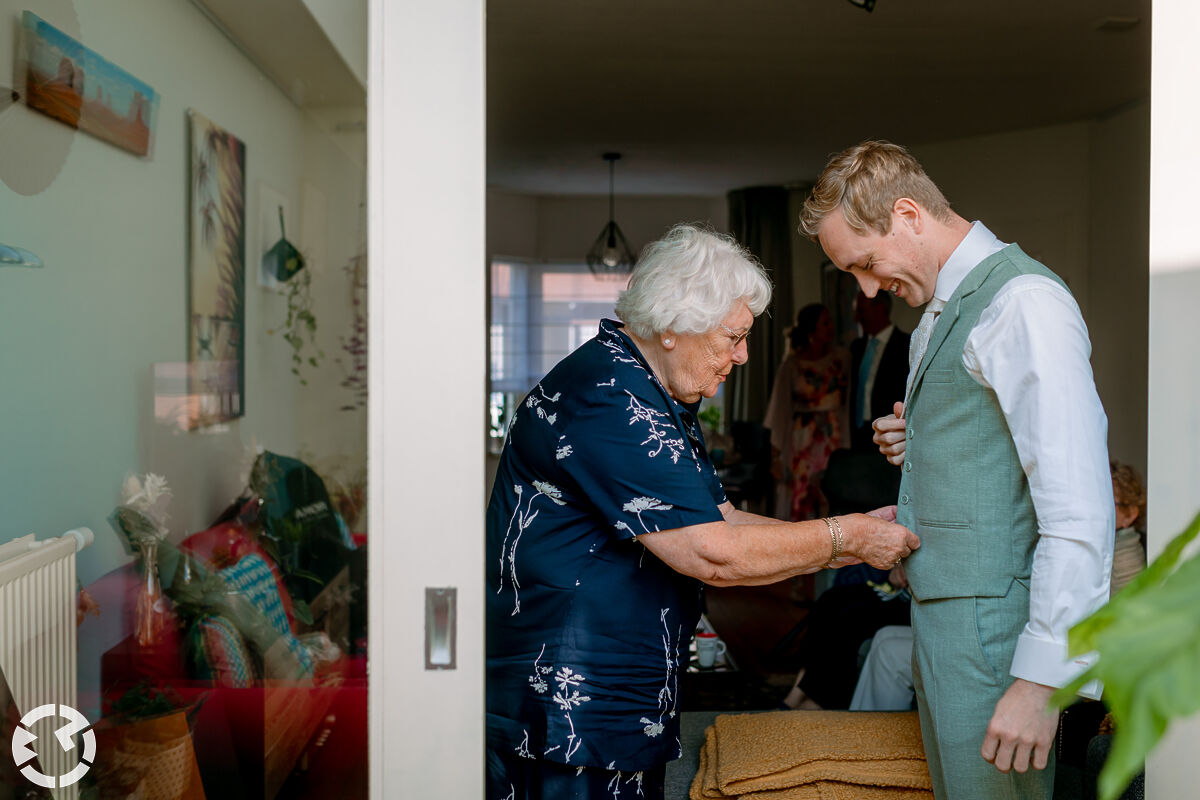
(345, 23)
(561, 228)
(83, 334)
(1173, 770)
(427, 386)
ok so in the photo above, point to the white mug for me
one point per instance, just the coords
(708, 647)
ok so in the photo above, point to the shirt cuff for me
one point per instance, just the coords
(1046, 662)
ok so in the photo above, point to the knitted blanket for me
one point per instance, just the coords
(813, 755)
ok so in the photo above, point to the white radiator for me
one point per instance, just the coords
(37, 636)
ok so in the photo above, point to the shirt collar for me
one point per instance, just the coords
(978, 244)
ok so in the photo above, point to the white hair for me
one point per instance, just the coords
(688, 282)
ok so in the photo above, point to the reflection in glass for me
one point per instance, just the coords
(221, 639)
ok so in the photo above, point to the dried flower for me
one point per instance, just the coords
(142, 515)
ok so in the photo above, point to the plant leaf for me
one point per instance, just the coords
(302, 611)
(1148, 641)
(303, 573)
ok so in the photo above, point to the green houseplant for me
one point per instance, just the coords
(285, 262)
(1148, 640)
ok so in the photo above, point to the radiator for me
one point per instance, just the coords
(37, 637)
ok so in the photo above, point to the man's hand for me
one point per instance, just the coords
(1022, 728)
(889, 434)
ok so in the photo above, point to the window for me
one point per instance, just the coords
(541, 312)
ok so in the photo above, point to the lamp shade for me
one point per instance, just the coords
(610, 254)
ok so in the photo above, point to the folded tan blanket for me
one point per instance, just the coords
(813, 755)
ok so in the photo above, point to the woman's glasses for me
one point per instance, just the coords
(735, 337)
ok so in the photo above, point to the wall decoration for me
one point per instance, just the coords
(217, 284)
(77, 86)
(269, 231)
(11, 256)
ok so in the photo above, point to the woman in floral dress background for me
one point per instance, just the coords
(807, 413)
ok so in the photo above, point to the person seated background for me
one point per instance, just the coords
(885, 683)
(844, 617)
(1129, 551)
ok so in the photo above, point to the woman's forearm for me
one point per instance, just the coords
(746, 549)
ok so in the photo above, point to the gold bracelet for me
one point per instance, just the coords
(835, 539)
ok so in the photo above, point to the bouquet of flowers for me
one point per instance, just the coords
(142, 520)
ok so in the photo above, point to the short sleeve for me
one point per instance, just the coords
(635, 466)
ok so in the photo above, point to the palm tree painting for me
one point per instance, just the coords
(217, 286)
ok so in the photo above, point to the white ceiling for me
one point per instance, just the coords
(705, 96)
(292, 48)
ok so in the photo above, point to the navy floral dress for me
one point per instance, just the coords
(585, 626)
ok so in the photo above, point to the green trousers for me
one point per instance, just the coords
(962, 651)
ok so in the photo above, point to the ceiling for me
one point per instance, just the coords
(290, 46)
(705, 96)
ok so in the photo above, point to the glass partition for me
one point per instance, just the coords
(183, 309)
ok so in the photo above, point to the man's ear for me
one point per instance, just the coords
(906, 212)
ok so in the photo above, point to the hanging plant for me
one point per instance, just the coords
(286, 263)
(354, 366)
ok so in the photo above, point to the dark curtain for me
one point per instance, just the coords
(758, 219)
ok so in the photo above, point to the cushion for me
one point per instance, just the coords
(220, 653)
(225, 544)
(253, 578)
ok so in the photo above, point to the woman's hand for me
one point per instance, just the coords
(876, 540)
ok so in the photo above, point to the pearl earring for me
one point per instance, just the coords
(667, 342)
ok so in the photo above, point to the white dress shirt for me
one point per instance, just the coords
(1031, 347)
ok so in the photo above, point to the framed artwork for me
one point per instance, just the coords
(217, 279)
(77, 86)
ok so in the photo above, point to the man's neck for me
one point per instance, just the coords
(947, 236)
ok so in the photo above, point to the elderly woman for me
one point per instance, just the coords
(605, 518)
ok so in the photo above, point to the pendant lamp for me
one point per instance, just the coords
(610, 254)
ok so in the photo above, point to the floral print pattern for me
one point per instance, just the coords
(597, 455)
(806, 417)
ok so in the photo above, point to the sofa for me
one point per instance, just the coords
(258, 677)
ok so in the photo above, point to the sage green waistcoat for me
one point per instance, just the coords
(962, 489)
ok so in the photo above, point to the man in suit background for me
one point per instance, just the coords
(878, 370)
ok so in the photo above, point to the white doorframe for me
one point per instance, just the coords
(426, 212)
(1174, 402)
(426, 436)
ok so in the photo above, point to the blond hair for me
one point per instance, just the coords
(865, 181)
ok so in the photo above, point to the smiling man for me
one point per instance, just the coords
(1002, 439)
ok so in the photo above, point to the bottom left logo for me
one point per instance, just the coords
(22, 753)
